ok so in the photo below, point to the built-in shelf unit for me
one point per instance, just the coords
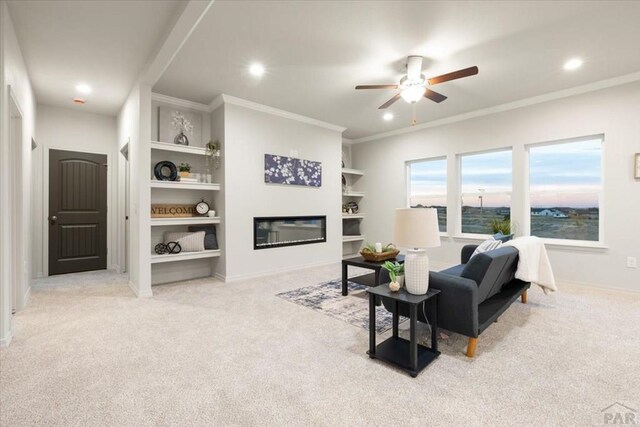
(184, 265)
(350, 176)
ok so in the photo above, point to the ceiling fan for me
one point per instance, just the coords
(413, 86)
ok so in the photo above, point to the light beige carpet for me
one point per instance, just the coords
(206, 353)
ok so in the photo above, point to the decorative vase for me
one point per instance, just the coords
(394, 286)
(181, 139)
(184, 174)
(416, 270)
(400, 280)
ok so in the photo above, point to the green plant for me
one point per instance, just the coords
(390, 247)
(184, 167)
(395, 269)
(501, 226)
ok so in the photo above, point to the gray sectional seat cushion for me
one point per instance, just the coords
(491, 270)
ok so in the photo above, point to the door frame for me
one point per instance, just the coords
(19, 274)
(45, 203)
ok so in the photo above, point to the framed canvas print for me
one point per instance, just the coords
(292, 171)
(178, 126)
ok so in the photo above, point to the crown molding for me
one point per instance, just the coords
(347, 141)
(216, 103)
(180, 102)
(552, 96)
(228, 99)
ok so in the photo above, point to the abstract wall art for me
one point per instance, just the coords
(291, 171)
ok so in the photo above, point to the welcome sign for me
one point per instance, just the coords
(173, 211)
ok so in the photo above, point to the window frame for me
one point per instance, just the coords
(407, 202)
(600, 243)
(459, 194)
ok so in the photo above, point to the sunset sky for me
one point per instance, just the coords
(566, 175)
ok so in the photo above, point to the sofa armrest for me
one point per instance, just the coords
(457, 303)
(467, 251)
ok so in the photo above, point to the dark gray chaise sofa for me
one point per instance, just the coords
(475, 293)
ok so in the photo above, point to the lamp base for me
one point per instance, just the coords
(416, 271)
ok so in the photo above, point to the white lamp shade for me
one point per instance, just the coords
(416, 228)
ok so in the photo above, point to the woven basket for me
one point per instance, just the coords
(379, 256)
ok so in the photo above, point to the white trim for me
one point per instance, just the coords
(180, 102)
(240, 277)
(347, 141)
(140, 294)
(227, 99)
(4, 342)
(552, 96)
(216, 103)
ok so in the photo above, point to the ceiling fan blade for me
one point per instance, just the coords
(377, 87)
(414, 67)
(434, 96)
(471, 71)
(389, 102)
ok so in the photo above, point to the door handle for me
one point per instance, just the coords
(53, 219)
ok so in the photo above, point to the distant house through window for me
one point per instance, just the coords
(485, 183)
(565, 182)
(428, 187)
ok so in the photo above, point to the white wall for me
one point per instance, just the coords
(134, 127)
(249, 135)
(614, 112)
(14, 73)
(69, 129)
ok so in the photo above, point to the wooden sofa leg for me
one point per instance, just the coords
(524, 297)
(471, 347)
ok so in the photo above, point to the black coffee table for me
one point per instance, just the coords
(409, 356)
(372, 279)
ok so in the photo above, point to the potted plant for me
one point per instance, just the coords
(396, 274)
(501, 226)
(185, 170)
(213, 153)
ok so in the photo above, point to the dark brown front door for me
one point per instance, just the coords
(77, 212)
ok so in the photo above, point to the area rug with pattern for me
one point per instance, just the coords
(327, 298)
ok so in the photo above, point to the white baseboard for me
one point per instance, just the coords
(140, 294)
(597, 286)
(4, 342)
(220, 277)
(241, 277)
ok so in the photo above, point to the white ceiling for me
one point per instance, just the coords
(102, 43)
(316, 52)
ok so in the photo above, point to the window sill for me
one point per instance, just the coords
(575, 244)
(471, 237)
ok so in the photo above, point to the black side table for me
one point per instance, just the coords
(372, 279)
(406, 355)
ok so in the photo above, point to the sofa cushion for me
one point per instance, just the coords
(454, 271)
(491, 270)
(504, 238)
(487, 245)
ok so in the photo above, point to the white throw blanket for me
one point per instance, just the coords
(533, 263)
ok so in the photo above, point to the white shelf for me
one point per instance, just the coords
(185, 221)
(165, 146)
(349, 171)
(353, 194)
(352, 238)
(184, 256)
(177, 185)
(352, 216)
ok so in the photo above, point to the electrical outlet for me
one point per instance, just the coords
(632, 262)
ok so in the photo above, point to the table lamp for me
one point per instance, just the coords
(416, 229)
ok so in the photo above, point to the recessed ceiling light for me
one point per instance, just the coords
(256, 69)
(388, 116)
(573, 64)
(83, 88)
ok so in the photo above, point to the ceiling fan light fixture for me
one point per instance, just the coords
(412, 94)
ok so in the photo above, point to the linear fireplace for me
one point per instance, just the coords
(279, 231)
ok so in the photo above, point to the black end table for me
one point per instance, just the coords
(409, 356)
(372, 279)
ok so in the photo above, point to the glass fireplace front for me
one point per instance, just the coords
(276, 232)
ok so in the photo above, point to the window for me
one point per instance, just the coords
(428, 187)
(485, 180)
(565, 181)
